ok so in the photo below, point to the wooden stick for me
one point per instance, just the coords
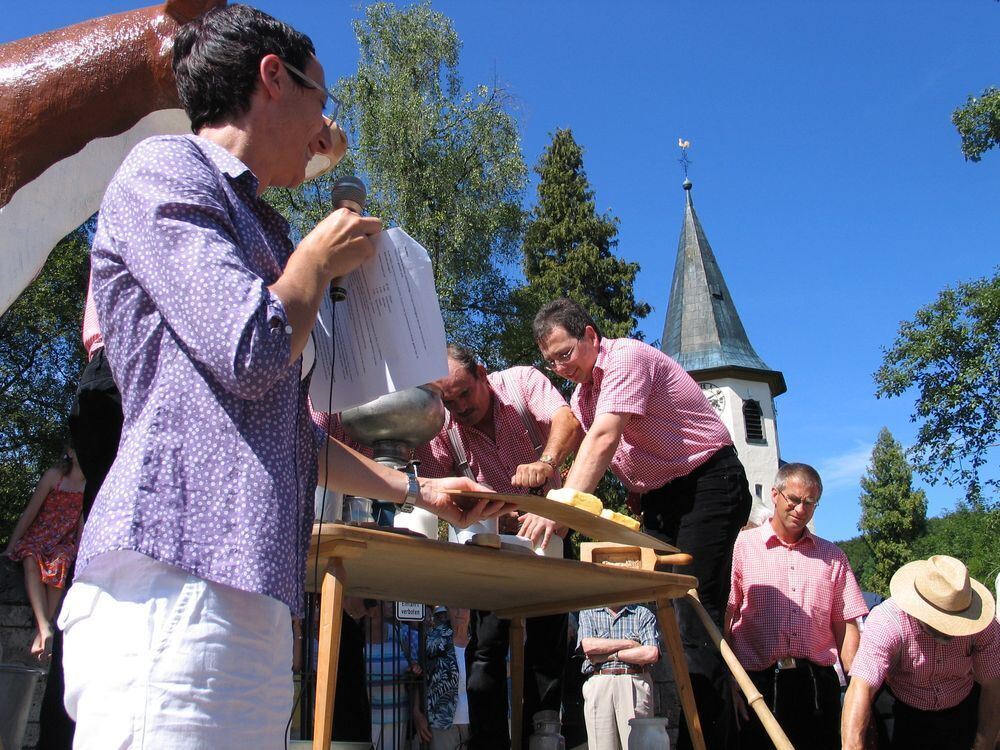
(675, 650)
(331, 618)
(754, 698)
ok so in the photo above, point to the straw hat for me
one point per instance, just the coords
(938, 592)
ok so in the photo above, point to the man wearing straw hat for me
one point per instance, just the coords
(936, 644)
(792, 608)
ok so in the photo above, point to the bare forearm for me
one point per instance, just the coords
(564, 436)
(989, 716)
(856, 713)
(343, 469)
(848, 636)
(593, 459)
(601, 647)
(639, 655)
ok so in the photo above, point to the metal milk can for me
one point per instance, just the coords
(546, 735)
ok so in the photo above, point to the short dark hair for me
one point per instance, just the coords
(804, 472)
(565, 313)
(216, 58)
(465, 357)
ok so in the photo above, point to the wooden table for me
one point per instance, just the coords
(366, 562)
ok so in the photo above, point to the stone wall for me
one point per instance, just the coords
(17, 630)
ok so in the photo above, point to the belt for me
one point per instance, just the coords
(620, 670)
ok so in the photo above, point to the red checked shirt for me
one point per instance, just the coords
(673, 429)
(922, 672)
(785, 598)
(494, 462)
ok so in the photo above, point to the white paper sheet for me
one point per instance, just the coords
(389, 331)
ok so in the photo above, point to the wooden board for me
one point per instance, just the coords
(597, 528)
(383, 565)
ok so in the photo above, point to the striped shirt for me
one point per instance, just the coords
(784, 599)
(673, 429)
(633, 622)
(494, 461)
(922, 672)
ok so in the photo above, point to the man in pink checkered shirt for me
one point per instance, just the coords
(649, 422)
(936, 644)
(500, 451)
(793, 609)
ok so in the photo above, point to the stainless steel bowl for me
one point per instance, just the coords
(412, 416)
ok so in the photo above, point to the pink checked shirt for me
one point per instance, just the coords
(922, 672)
(493, 462)
(673, 429)
(785, 598)
(92, 340)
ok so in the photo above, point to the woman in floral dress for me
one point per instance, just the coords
(46, 539)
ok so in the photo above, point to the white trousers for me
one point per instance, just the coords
(157, 659)
(609, 701)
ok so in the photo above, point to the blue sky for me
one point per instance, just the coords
(826, 171)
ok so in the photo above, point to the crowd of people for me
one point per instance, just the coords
(179, 628)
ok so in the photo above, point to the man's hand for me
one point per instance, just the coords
(423, 728)
(532, 475)
(539, 530)
(457, 511)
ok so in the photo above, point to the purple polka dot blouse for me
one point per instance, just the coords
(217, 463)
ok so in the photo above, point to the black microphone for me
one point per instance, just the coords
(350, 193)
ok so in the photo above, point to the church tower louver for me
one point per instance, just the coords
(704, 334)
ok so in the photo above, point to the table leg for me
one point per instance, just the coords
(675, 650)
(517, 681)
(330, 620)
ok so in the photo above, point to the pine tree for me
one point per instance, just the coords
(568, 253)
(893, 514)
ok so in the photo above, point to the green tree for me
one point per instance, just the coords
(893, 514)
(968, 533)
(978, 123)
(568, 252)
(41, 357)
(950, 353)
(444, 165)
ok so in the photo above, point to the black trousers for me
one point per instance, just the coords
(950, 729)
(545, 655)
(95, 426)
(701, 514)
(805, 701)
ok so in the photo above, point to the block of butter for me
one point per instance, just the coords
(621, 518)
(581, 500)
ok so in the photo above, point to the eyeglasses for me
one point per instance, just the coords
(561, 359)
(805, 502)
(331, 104)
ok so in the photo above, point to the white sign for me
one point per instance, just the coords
(411, 611)
(389, 331)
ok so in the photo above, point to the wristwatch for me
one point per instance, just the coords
(412, 495)
(549, 459)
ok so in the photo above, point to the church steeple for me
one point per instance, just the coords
(703, 332)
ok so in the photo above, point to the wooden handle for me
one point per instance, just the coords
(754, 699)
(678, 558)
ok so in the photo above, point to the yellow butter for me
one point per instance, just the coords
(581, 500)
(621, 518)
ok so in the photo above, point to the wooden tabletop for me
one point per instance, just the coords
(385, 565)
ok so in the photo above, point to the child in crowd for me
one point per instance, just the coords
(46, 539)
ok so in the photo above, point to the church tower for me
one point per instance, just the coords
(704, 334)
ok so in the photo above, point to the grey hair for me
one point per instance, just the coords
(804, 472)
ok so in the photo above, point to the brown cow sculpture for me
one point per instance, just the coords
(73, 102)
